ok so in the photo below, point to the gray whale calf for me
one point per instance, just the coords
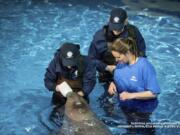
(80, 120)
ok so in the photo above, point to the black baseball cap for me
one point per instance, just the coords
(70, 54)
(117, 18)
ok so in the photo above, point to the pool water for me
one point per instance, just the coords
(32, 30)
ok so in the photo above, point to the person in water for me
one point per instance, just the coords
(99, 51)
(135, 83)
(69, 68)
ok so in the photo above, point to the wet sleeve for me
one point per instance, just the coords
(140, 43)
(94, 55)
(89, 77)
(151, 82)
(50, 77)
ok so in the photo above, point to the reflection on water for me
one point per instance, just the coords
(31, 31)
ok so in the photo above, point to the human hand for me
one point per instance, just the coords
(126, 96)
(112, 89)
(80, 93)
(110, 68)
(63, 88)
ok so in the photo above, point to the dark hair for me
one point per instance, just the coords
(123, 45)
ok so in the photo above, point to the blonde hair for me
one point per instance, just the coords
(124, 45)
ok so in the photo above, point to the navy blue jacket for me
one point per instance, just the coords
(56, 70)
(99, 46)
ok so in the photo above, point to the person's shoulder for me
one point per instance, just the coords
(84, 59)
(143, 60)
(145, 63)
(57, 55)
(87, 60)
(120, 65)
(55, 63)
(99, 34)
(131, 26)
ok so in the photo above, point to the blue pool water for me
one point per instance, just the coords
(31, 31)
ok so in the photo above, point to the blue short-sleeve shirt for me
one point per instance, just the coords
(138, 77)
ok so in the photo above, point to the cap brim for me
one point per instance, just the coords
(69, 62)
(116, 26)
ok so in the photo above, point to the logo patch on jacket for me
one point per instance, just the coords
(133, 78)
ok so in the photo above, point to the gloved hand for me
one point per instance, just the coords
(63, 88)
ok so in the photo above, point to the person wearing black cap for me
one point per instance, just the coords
(99, 51)
(69, 70)
(70, 66)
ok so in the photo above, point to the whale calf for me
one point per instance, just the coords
(79, 119)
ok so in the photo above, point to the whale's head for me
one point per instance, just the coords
(77, 108)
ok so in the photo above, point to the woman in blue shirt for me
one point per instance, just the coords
(136, 84)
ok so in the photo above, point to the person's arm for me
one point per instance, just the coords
(112, 89)
(137, 95)
(97, 48)
(140, 43)
(50, 78)
(94, 55)
(151, 86)
(89, 77)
